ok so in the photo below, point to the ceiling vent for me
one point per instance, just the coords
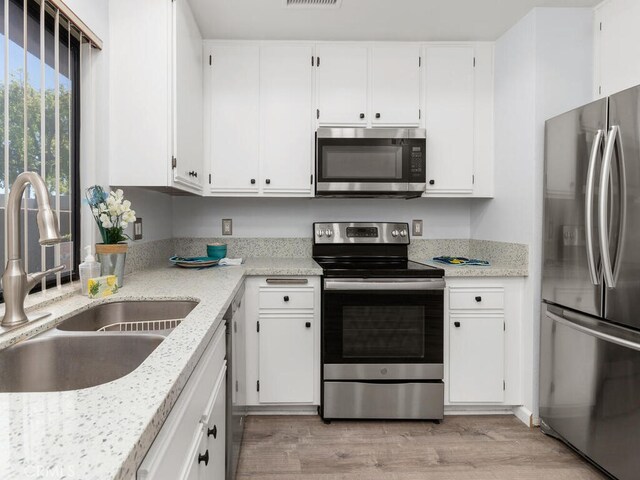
(312, 3)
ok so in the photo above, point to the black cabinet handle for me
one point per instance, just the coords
(377, 115)
(478, 299)
(362, 115)
(308, 324)
(432, 182)
(268, 181)
(456, 324)
(286, 298)
(204, 458)
(253, 181)
(212, 431)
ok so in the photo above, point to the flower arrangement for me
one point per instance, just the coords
(111, 212)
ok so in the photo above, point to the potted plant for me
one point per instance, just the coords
(112, 214)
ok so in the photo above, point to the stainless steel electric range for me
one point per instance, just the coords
(382, 324)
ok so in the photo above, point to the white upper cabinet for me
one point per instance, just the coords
(286, 124)
(155, 79)
(395, 85)
(449, 118)
(458, 111)
(341, 77)
(233, 99)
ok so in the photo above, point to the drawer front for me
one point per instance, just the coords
(286, 298)
(489, 299)
(215, 429)
(198, 462)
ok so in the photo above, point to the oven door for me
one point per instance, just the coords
(382, 329)
(370, 161)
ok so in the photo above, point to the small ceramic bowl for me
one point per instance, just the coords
(217, 250)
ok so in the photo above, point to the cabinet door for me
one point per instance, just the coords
(232, 137)
(341, 76)
(198, 466)
(140, 94)
(476, 353)
(449, 117)
(188, 94)
(395, 84)
(286, 359)
(286, 90)
(215, 431)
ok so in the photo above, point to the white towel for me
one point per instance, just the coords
(230, 261)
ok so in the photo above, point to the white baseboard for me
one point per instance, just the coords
(526, 416)
(478, 410)
(283, 410)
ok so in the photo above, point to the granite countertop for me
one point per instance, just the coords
(104, 432)
(493, 270)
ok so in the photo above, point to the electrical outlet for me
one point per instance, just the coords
(227, 226)
(137, 229)
(417, 228)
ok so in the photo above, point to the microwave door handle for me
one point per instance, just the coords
(603, 214)
(588, 214)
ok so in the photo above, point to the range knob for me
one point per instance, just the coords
(328, 233)
(319, 233)
(403, 233)
(394, 234)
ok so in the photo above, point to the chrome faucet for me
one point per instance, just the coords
(16, 284)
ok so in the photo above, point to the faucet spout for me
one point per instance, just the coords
(15, 281)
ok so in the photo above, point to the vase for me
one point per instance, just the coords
(112, 257)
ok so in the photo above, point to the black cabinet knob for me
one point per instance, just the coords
(204, 458)
(253, 181)
(268, 181)
(212, 431)
(432, 182)
(377, 115)
(286, 298)
(456, 324)
(362, 115)
(478, 299)
(195, 174)
(308, 324)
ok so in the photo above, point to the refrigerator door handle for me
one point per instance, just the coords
(588, 214)
(593, 332)
(603, 217)
(622, 229)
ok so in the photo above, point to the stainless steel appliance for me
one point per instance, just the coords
(382, 324)
(370, 162)
(236, 404)
(590, 325)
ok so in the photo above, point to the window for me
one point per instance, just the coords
(39, 125)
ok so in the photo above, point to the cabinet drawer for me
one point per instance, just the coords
(286, 298)
(476, 299)
(215, 428)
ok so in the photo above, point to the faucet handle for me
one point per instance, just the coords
(34, 278)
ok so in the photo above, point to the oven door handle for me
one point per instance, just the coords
(404, 284)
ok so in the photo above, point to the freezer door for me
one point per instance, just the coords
(622, 295)
(574, 143)
(590, 388)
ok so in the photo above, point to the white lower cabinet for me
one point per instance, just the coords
(283, 346)
(482, 341)
(190, 444)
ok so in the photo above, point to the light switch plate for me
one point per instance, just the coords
(137, 229)
(417, 228)
(227, 226)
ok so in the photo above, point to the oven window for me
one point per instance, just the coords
(383, 332)
(344, 162)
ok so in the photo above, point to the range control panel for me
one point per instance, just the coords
(361, 232)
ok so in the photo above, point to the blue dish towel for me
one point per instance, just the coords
(461, 261)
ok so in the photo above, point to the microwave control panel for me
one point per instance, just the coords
(417, 165)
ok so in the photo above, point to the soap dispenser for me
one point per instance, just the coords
(88, 269)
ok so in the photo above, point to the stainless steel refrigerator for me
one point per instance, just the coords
(590, 316)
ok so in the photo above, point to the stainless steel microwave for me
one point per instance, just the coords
(370, 162)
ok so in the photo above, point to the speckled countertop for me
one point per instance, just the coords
(493, 270)
(103, 432)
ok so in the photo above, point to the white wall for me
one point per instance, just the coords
(272, 217)
(544, 67)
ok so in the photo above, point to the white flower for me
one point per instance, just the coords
(106, 221)
(127, 205)
(124, 224)
(95, 211)
(119, 194)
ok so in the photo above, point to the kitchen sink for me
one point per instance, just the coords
(130, 316)
(57, 363)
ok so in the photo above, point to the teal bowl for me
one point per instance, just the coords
(217, 251)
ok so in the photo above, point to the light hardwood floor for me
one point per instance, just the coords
(461, 447)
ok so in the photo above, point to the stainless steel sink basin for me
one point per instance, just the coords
(106, 314)
(63, 362)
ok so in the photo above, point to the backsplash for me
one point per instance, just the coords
(142, 256)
